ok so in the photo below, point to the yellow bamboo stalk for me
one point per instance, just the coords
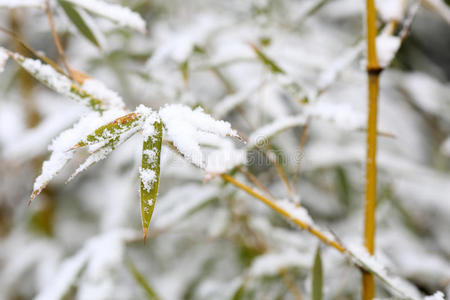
(373, 71)
(272, 204)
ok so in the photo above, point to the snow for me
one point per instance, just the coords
(390, 10)
(272, 264)
(97, 261)
(22, 3)
(60, 146)
(3, 58)
(344, 117)
(436, 296)
(148, 178)
(185, 127)
(46, 73)
(98, 90)
(123, 16)
(261, 135)
(295, 211)
(398, 285)
(177, 203)
(229, 102)
(387, 47)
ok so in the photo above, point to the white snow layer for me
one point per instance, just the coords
(186, 127)
(399, 286)
(387, 47)
(67, 139)
(101, 256)
(436, 296)
(116, 13)
(390, 9)
(97, 89)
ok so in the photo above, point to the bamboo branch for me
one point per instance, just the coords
(373, 71)
(272, 204)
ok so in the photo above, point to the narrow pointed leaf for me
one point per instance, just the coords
(142, 281)
(77, 19)
(149, 172)
(269, 63)
(110, 131)
(317, 277)
(103, 151)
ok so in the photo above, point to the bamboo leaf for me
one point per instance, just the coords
(142, 281)
(58, 82)
(110, 131)
(104, 151)
(77, 19)
(317, 276)
(149, 172)
(269, 63)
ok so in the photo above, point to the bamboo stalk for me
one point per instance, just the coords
(373, 71)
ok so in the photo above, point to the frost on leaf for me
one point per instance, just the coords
(99, 91)
(59, 82)
(60, 146)
(104, 134)
(123, 16)
(188, 128)
(149, 170)
(106, 138)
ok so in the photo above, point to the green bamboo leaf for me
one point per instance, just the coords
(317, 276)
(149, 173)
(142, 281)
(77, 19)
(111, 130)
(273, 67)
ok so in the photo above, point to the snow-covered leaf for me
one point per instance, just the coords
(149, 171)
(111, 131)
(59, 82)
(60, 146)
(187, 127)
(121, 15)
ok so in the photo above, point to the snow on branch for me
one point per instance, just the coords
(398, 286)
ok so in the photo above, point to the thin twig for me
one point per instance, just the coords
(255, 181)
(56, 38)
